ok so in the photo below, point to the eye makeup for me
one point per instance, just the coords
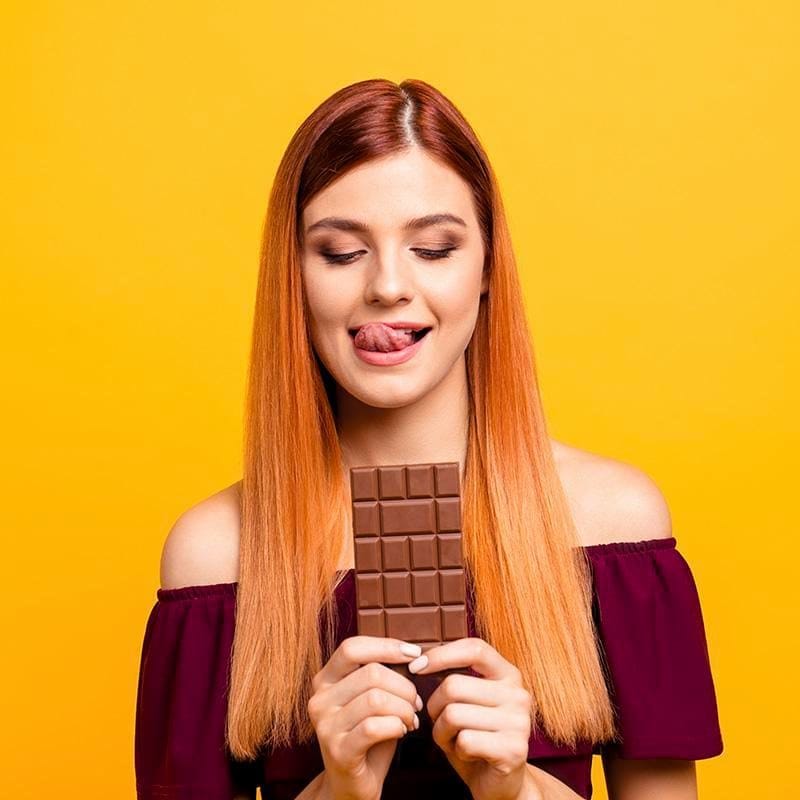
(423, 252)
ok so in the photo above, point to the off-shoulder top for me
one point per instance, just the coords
(650, 625)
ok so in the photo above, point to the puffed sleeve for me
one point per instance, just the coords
(181, 702)
(651, 627)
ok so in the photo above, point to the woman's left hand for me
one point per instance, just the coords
(482, 724)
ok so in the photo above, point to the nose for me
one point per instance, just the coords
(388, 280)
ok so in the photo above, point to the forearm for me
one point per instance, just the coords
(541, 785)
(316, 790)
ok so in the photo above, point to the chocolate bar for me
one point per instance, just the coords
(409, 563)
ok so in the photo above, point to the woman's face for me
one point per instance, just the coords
(363, 262)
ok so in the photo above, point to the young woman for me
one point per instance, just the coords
(385, 223)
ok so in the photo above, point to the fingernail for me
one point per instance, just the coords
(418, 703)
(405, 729)
(410, 649)
(418, 663)
(416, 722)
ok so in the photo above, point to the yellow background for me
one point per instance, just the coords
(647, 154)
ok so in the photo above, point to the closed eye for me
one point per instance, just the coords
(347, 258)
(339, 258)
(434, 254)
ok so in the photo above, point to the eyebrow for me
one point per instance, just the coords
(414, 224)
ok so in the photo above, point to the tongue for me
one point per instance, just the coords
(379, 337)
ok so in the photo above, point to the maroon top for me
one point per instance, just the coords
(648, 614)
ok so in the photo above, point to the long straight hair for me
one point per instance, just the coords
(531, 578)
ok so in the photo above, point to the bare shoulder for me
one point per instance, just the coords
(611, 500)
(202, 546)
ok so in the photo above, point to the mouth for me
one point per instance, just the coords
(417, 335)
(392, 357)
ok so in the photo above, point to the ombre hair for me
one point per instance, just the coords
(530, 577)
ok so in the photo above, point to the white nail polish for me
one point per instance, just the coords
(416, 722)
(410, 649)
(417, 664)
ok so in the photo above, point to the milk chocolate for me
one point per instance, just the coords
(409, 563)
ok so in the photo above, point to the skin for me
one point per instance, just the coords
(610, 501)
(417, 412)
(411, 412)
(360, 708)
(481, 723)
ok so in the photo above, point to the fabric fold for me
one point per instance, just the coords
(181, 701)
(651, 626)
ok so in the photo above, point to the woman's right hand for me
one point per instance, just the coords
(359, 709)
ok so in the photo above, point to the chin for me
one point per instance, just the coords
(386, 397)
(383, 401)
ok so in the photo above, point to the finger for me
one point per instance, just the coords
(462, 716)
(370, 731)
(458, 717)
(376, 702)
(356, 651)
(467, 652)
(372, 675)
(500, 749)
(478, 691)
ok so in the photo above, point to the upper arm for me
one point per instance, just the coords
(641, 779)
(613, 501)
(640, 508)
(202, 546)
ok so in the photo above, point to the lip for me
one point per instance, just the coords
(402, 325)
(393, 357)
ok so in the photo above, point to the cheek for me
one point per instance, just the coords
(458, 301)
(324, 302)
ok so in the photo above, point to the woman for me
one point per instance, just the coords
(385, 223)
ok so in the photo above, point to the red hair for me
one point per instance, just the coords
(532, 579)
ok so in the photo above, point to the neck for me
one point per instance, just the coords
(433, 428)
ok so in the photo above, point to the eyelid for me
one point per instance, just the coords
(425, 253)
(324, 251)
(327, 249)
(442, 237)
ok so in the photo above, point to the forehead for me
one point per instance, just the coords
(384, 193)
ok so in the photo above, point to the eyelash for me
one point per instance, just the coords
(430, 255)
